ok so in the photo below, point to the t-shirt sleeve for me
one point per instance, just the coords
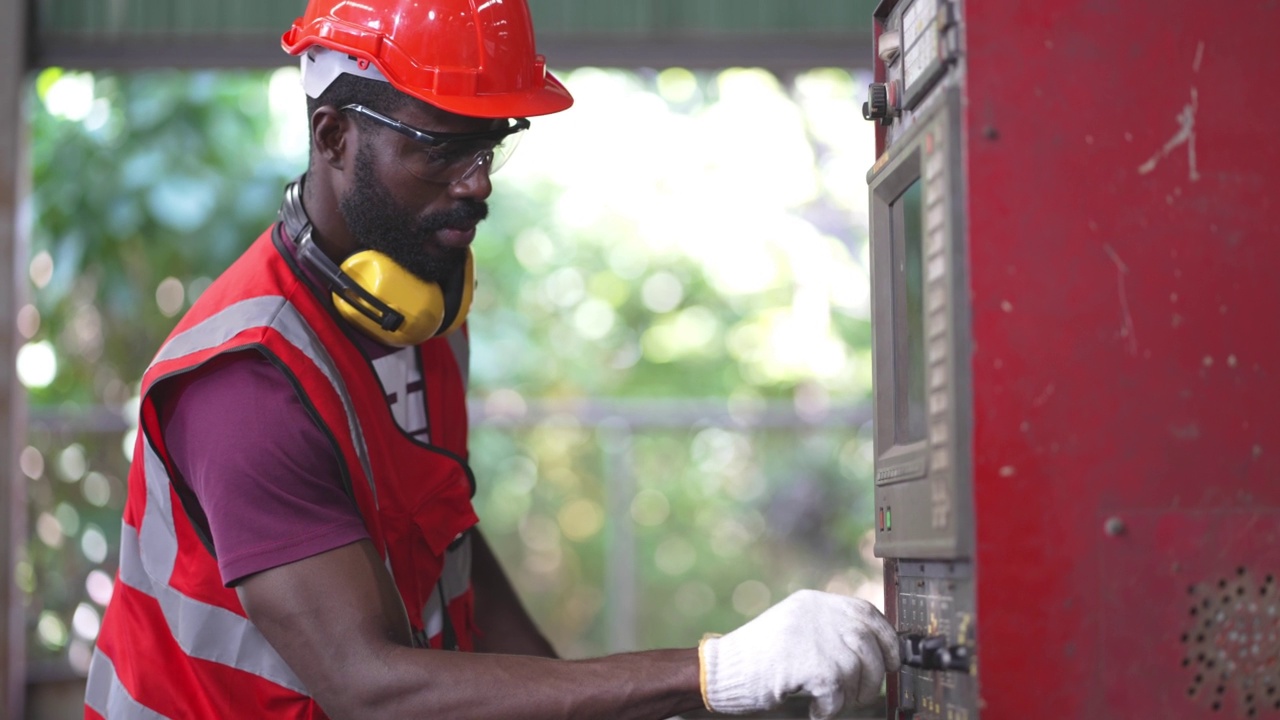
(265, 480)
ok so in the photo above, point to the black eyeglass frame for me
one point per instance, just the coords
(497, 135)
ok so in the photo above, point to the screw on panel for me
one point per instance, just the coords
(1114, 526)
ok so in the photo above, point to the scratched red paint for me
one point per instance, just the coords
(1123, 248)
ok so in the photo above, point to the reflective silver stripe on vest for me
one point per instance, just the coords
(159, 537)
(107, 695)
(455, 579)
(202, 630)
(278, 313)
(461, 347)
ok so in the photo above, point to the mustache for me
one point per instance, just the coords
(466, 213)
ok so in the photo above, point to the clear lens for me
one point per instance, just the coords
(504, 149)
(452, 161)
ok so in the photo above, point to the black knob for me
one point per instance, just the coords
(933, 652)
(877, 105)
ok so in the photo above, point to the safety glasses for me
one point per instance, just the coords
(445, 158)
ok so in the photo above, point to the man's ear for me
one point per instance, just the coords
(329, 135)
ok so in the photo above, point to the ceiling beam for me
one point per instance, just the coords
(777, 52)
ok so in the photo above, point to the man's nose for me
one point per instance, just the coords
(474, 183)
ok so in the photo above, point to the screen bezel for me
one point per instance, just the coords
(895, 461)
(929, 486)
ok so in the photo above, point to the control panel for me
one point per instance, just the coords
(919, 45)
(935, 615)
(922, 387)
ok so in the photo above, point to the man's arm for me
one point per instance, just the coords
(505, 626)
(336, 619)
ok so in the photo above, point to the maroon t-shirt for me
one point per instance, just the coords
(262, 480)
(266, 478)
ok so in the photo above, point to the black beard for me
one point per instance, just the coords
(378, 223)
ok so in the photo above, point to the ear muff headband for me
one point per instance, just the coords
(378, 295)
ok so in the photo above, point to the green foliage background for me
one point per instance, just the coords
(171, 175)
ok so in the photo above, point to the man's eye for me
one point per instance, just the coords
(439, 156)
(435, 156)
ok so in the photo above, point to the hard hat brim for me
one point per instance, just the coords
(552, 97)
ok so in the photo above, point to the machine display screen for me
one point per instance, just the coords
(907, 232)
(919, 40)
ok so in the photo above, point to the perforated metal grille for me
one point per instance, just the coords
(1232, 644)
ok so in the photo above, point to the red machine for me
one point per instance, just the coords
(1076, 278)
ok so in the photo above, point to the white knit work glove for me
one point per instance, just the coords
(833, 647)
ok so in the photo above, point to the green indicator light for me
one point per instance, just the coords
(888, 519)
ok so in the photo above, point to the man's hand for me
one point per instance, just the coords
(835, 648)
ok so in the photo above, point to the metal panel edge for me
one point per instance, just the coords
(13, 183)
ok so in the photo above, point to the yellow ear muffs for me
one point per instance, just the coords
(424, 307)
(376, 294)
(460, 298)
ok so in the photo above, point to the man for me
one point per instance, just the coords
(298, 540)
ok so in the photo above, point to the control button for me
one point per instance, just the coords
(939, 459)
(937, 402)
(889, 45)
(938, 433)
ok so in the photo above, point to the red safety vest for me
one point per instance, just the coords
(174, 641)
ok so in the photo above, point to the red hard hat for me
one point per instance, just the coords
(463, 56)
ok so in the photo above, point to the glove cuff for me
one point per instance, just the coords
(732, 669)
(702, 668)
